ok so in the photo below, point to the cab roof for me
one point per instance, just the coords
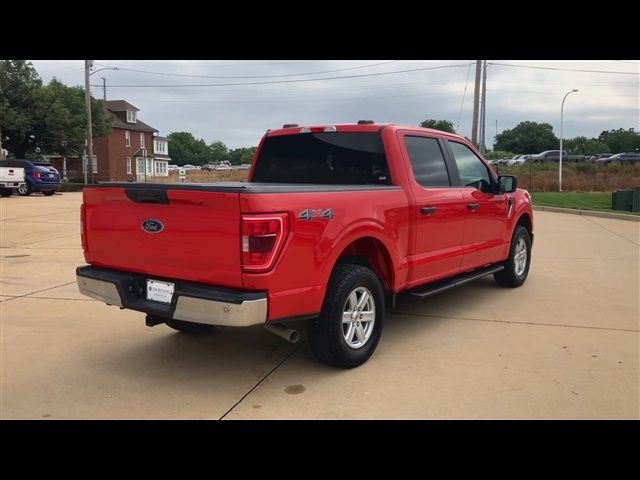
(292, 129)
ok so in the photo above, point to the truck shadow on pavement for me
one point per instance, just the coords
(227, 353)
(219, 356)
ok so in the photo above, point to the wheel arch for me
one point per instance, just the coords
(369, 250)
(525, 220)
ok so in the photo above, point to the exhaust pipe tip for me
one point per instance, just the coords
(289, 334)
(294, 336)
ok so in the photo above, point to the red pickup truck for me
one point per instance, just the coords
(334, 222)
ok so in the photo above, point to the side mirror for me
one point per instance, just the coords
(508, 183)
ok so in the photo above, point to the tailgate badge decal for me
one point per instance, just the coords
(152, 226)
(312, 213)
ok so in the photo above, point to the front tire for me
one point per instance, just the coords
(516, 268)
(350, 325)
(6, 192)
(189, 327)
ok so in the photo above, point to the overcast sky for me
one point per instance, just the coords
(200, 96)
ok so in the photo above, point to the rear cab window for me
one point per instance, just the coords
(324, 158)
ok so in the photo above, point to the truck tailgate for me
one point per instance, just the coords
(189, 235)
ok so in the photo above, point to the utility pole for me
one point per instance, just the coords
(87, 99)
(476, 99)
(484, 107)
(104, 88)
(1, 150)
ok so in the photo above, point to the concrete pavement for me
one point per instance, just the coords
(565, 345)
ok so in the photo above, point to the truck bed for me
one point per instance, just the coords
(243, 187)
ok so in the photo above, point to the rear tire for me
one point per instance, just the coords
(516, 268)
(24, 190)
(350, 325)
(6, 192)
(189, 327)
(48, 193)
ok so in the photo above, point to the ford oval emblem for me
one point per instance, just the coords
(152, 226)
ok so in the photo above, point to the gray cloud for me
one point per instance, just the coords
(239, 115)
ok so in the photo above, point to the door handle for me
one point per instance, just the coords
(428, 210)
(473, 206)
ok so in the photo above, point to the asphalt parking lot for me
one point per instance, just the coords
(565, 345)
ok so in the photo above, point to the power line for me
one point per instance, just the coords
(289, 81)
(463, 95)
(257, 76)
(228, 63)
(303, 99)
(364, 97)
(562, 69)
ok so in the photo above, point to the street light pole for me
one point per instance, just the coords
(87, 100)
(561, 119)
(88, 64)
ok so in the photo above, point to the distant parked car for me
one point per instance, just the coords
(11, 178)
(39, 176)
(599, 157)
(518, 160)
(554, 156)
(628, 157)
(245, 166)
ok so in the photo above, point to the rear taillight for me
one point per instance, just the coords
(83, 233)
(262, 240)
(35, 174)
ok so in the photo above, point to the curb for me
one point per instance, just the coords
(589, 213)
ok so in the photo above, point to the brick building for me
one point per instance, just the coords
(132, 151)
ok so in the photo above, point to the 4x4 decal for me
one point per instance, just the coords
(311, 213)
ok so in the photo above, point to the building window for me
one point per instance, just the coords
(141, 139)
(161, 168)
(131, 116)
(127, 138)
(128, 165)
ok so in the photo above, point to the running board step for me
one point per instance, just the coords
(442, 285)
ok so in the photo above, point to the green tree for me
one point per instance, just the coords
(180, 147)
(527, 137)
(184, 149)
(247, 154)
(241, 155)
(219, 151)
(621, 140)
(60, 119)
(585, 146)
(444, 125)
(19, 83)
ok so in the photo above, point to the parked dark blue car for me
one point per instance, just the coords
(39, 176)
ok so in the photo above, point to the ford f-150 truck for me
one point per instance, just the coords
(333, 223)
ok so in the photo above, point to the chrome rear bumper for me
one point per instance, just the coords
(191, 302)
